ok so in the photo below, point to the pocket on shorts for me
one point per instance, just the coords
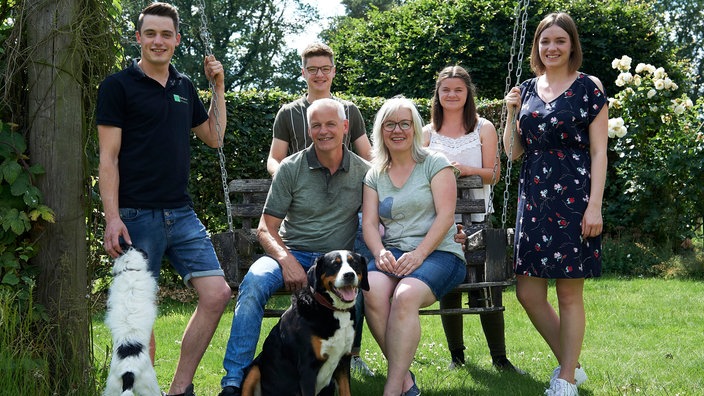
(127, 214)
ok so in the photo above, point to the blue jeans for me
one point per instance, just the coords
(176, 233)
(261, 281)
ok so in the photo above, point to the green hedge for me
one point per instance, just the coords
(250, 116)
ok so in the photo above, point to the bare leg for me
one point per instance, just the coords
(572, 325)
(213, 296)
(532, 293)
(564, 334)
(377, 306)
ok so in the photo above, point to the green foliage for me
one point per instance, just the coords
(625, 256)
(402, 50)
(657, 172)
(682, 20)
(248, 37)
(24, 369)
(360, 8)
(20, 210)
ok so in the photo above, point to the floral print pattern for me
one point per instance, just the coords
(555, 182)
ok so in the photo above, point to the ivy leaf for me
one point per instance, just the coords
(10, 171)
(36, 169)
(20, 185)
(8, 260)
(16, 221)
(11, 279)
(12, 142)
(32, 196)
(44, 212)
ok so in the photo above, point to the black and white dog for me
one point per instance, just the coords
(308, 351)
(130, 317)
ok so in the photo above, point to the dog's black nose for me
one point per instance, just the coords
(349, 277)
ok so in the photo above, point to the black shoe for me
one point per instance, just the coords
(457, 358)
(230, 391)
(503, 364)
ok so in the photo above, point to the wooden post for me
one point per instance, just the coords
(56, 141)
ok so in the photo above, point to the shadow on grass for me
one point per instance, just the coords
(467, 380)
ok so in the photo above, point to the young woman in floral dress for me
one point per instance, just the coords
(562, 128)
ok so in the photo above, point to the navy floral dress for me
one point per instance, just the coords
(555, 183)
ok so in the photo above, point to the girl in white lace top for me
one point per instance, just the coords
(470, 143)
(467, 140)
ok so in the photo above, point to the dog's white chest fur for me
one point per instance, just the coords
(334, 348)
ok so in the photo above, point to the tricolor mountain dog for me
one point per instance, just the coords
(307, 353)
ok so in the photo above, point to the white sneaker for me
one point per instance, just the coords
(579, 375)
(358, 366)
(560, 387)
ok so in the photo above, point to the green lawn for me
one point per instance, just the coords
(644, 337)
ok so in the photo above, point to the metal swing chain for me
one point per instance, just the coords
(519, 72)
(521, 18)
(205, 35)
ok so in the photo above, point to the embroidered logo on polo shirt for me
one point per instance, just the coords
(180, 99)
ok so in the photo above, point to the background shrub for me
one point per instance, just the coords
(400, 51)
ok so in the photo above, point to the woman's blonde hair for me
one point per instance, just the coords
(381, 158)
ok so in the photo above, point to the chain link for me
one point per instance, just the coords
(520, 16)
(205, 35)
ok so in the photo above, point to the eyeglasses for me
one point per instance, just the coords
(314, 70)
(390, 126)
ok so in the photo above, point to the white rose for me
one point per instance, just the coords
(688, 103)
(659, 73)
(637, 80)
(654, 109)
(625, 62)
(659, 84)
(615, 63)
(640, 67)
(621, 131)
(651, 93)
(679, 109)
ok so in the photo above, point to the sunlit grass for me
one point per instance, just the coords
(644, 337)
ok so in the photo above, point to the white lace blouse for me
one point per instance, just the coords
(466, 150)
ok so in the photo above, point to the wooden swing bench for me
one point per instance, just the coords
(488, 270)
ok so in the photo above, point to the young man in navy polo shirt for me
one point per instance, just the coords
(145, 116)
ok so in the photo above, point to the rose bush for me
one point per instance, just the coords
(657, 155)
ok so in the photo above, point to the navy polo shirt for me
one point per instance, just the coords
(156, 123)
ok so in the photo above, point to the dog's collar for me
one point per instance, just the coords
(323, 301)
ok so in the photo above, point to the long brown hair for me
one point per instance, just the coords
(470, 107)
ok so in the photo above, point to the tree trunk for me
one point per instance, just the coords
(56, 141)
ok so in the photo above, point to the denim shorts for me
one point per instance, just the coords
(176, 233)
(441, 271)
